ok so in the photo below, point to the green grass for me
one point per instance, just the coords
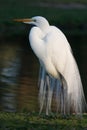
(33, 121)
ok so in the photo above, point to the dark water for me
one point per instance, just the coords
(19, 72)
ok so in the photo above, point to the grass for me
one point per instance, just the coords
(33, 121)
(71, 21)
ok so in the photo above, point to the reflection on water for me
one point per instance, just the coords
(10, 65)
(18, 77)
(19, 74)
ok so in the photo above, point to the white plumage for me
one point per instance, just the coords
(58, 72)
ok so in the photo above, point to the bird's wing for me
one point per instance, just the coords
(57, 47)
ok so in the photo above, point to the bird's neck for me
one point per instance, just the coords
(44, 27)
(36, 42)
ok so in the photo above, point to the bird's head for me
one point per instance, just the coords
(38, 21)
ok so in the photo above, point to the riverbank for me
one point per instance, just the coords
(33, 121)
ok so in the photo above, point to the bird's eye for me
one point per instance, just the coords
(35, 20)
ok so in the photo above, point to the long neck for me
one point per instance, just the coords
(36, 42)
(44, 26)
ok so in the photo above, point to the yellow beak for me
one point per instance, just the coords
(23, 20)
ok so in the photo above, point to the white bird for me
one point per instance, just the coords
(59, 75)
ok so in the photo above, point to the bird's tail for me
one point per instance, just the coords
(68, 90)
(76, 102)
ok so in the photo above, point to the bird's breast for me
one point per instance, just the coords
(50, 68)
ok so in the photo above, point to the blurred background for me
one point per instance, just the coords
(19, 67)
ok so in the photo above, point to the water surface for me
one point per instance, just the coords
(19, 72)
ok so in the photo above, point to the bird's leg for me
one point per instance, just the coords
(64, 96)
(58, 86)
(40, 75)
(62, 99)
(42, 90)
(47, 95)
(50, 87)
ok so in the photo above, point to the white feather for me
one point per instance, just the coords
(59, 70)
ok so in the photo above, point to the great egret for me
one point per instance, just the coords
(59, 73)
